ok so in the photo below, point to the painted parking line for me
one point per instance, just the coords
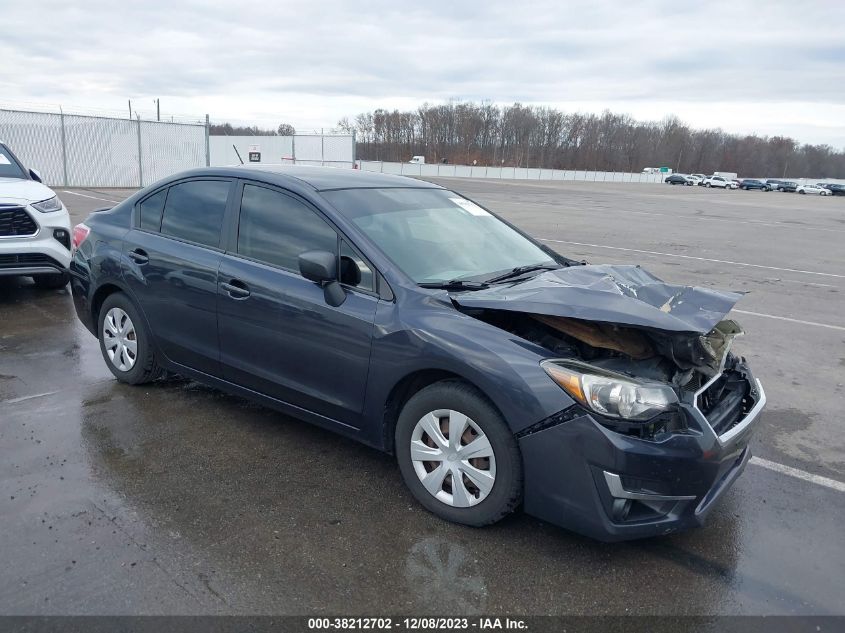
(801, 322)
(833, 484)
(701, 259)
(75, 193)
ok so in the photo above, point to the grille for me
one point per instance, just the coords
(27, 259)
(15, 221)
(726, 401)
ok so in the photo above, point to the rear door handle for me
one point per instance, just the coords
(236, 289)
(139, 256)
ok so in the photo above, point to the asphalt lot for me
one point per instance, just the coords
(175, 498)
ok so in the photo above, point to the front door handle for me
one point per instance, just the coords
(139, 256)
(236, 289)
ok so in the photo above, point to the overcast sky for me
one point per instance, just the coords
(764, 67)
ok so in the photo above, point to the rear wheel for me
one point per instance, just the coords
(51, 281)
(802, 192)
(457, 455)
(125, 341)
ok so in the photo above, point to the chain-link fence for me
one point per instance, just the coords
(91, 151)
(331, 150)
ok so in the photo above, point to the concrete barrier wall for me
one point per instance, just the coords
(504, 173)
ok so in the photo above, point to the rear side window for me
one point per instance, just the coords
(194, 211)
(150, 211)
(276, 228)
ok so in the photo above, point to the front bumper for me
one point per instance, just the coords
(46, 251)
(585, 477)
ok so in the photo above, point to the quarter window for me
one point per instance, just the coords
(194, 211)
(150, 211)
(275, 228)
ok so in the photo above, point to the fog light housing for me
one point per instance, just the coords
(63, 237)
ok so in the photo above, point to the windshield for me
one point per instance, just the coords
(9, 166)
(434, 235)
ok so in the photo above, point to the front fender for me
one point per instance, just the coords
(433, 335)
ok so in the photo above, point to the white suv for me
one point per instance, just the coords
(719, 181)
(35, 235)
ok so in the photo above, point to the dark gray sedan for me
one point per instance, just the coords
(401, 314)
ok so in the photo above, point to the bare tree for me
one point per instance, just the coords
(530, 136)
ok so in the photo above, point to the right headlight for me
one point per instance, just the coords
(50, 205)
(611, 394)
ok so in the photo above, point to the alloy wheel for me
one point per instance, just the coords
(120, 339)
(453, 458)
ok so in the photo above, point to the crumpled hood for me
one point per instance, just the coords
(625, 295)
(21, 190)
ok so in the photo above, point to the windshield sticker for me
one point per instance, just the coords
(4, 160)
(469, 206)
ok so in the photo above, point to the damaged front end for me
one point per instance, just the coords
(615, 334)
(662, 413)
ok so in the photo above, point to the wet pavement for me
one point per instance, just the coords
(174, 498)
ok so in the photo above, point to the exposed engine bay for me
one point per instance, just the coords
(683, 359)
(619, 318)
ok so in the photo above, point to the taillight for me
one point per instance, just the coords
(80, 232)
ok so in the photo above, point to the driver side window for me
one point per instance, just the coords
(276, 228)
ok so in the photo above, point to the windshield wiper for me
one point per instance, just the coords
(521, 270)
(455, 284)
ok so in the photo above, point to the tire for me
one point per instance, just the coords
(707, 184)
(110, 324)
(438, 406)
(802, 192)
(51, 282)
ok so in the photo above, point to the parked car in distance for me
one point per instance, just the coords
(773, 184)
(34, 226)
(701, 178)
(720, 181)
(694, 179)
(835, 189)
(816, 190)
(788, 185)
(677, 179)
(751, 183)
(403, 315)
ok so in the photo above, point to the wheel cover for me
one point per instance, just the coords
(453, 458)
(120, 339)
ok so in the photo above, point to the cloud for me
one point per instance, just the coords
(313, 62)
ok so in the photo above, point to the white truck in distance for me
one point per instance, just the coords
(727, 175)
(417, 160)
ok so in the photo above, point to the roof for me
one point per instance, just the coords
(322, 178)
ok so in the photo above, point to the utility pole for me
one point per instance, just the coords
(130, 109)
(158, 110)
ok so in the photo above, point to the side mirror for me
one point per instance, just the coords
(321, 268)
(36, 176)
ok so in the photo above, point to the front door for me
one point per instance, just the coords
(278, 336)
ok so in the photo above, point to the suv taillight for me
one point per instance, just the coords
(80, 232)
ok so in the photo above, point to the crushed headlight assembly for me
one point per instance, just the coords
(610, 394)
(51, 205)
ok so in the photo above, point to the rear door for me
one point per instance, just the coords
(278, 336)
(171, 257)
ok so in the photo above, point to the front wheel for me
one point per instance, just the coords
(707, 184)
(125, 341)
(457, 455)
(802, 192)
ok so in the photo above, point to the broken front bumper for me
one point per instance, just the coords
(585, 477)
